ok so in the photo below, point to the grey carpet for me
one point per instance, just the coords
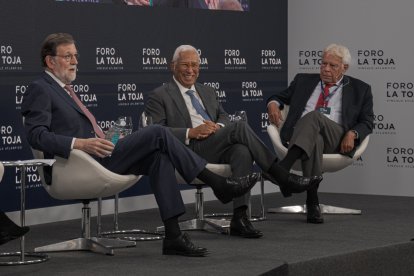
(289, 244)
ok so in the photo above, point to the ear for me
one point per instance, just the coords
(50, 62)
(346, 66)
(172, 66)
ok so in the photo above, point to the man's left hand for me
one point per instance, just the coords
(348, 142)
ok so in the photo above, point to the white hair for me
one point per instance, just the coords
(183, 48)
(340, 51)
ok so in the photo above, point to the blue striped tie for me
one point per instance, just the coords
(197, 105)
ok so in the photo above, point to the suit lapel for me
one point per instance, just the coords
(61, 92)
(347, 97)
(178, 99)
(307, 89)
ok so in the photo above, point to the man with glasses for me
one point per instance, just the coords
(194, 115)
(56, 122)
(329, 112)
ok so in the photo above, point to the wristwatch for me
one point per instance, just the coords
(356, 134)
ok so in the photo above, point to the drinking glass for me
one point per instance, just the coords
(239, 116)
(145, 120)
(125, 123)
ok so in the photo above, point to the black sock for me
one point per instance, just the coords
(5, 222)
(293, 154)
(172, 229)
(211, 179)
(240, 212)
(280, 171)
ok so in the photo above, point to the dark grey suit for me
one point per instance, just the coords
(52, 120)
(235, 143)
(357, 114)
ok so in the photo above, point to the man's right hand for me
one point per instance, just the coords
(94, 146)
(275, 115)
(202, 131)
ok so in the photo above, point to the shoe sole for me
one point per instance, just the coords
(314, 221)
(180, 253)
(255, 236)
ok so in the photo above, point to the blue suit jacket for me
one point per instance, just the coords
(52, 118)
(357, 104)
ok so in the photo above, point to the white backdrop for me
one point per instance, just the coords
(379, 34)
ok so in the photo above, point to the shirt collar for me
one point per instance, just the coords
(55, 78)
(182, 88)
(337, 83)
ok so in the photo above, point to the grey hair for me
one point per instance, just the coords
(183, 48)
(340, 51)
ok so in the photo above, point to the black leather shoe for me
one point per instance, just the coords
(236, 187)
(182, 246)
(243, 227)
(314, 214)
(295, 183)
(12, 233)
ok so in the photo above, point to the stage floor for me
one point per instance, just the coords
(377, 241)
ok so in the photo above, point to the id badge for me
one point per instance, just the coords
(325, 110)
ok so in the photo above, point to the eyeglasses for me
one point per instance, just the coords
(68, 57)
(333, 66)
(192, 65)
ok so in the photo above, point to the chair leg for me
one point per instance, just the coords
(253, 218)
(123, 238)
(86, 242)
(200, 222)
(325, 209)
(262, 215)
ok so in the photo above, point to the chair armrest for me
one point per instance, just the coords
(1, 171)
(82, 177)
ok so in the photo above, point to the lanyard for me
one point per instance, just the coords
(330, 95)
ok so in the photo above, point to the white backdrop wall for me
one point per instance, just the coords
(379, 34)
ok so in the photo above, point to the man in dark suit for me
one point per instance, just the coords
(328, 113)
(56, 122)
(194, 115)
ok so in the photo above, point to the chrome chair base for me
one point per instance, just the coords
(206, 224)
(97, 245)
(138, 235)
(26, 258)
(325, 209)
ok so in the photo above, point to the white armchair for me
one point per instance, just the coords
(331, 163)
(1, 171)
(80, 177)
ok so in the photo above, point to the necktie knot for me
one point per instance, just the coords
(69, 88)
(327, 87)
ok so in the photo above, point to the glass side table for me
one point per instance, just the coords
(23, 256)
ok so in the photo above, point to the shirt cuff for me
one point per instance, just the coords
(187, 140)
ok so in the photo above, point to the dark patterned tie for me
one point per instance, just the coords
(88, 114)
(197, 105)
(321, 99)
